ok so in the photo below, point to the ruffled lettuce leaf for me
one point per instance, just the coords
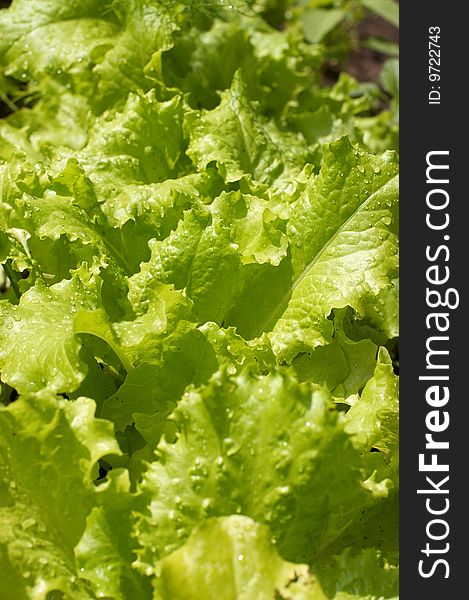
(235, 557)
(343, 235)
(49, 452)
(36, 356)
(263, 446)
(104, 554)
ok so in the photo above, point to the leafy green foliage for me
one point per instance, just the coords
(198, 287)
(236, 543)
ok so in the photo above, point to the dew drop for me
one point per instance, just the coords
(28, 523)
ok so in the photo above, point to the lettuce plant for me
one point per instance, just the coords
(198, 318)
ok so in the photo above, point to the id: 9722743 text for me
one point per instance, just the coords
(434, 64)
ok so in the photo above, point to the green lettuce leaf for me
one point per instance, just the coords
(345, 365)
(233, 557)
(234, 138)
(373, 418)
(105, 552)
(344, 246)
(363, 576)
(44, 502)
(260, 446)
(35, 355)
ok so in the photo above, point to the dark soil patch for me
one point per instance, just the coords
(362, 63)
(365, 64)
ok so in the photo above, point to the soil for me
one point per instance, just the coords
(362, 63)
(365, 64)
